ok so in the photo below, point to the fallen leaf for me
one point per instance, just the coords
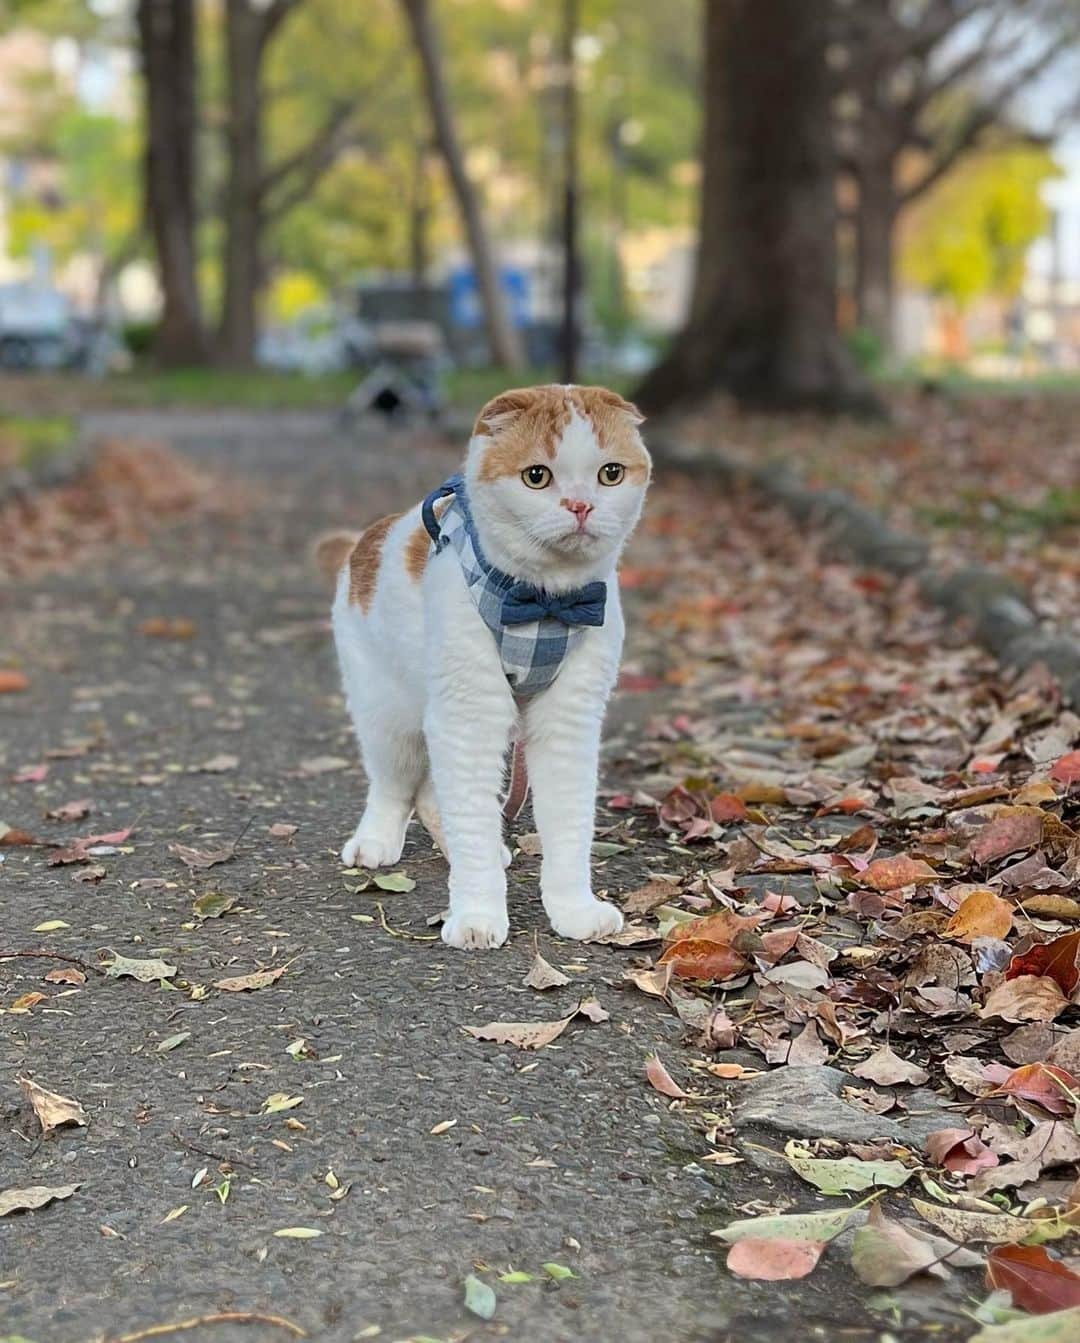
(774, 1260)
(661, 1080)
(13, 837)
(590, 1008)
(479, 1297)
(1012, 831)
(1063, 1326)
(1057, 960)
(53, 1110)
(523, 1034)
(1035, 1282)
(282, 830)
(280, 1100)
(647, 897)
(1046, 1085)
(219, 764)
(25, 1001)
(323, 764)
(889, 874)
(697, 958)
(258, 979)
(31, 774)
(998, 1228)
(298, 1233)
(393, 881)
(846, 1175)
(1050, 1143)
(885, 1253)
(172, 1042)
(960, 1151)
(160, 627)
(1067, 769)
(51, 926)
(1025, 998)
(543, 975)
(817, 1227)
(35, 1196)
(212, 904)
(887, 1069)
(558, 1272)
(65, 975)
(144, 971)
(200, 859)
(444, 1127)
(654, 982)
(92, 873)
(980, 914)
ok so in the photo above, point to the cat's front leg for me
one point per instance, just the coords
(467, 724)
(562, 747)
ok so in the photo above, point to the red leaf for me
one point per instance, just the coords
(960, 1151)
(698, 958)
(1067, 769)
(1056, 960)
(728, 807)
(1044, 1084)
(1036, 1282)
(1018, 829)
(724, 927)
(31, 774)
(889, 874)
(633, 682)
(774, 1260)
(11, 682)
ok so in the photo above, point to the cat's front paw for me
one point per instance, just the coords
(471, 930)
(371, 851)
(587, 921)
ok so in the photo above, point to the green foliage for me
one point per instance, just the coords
(969, 236)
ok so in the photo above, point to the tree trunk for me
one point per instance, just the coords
(762, 322)
(875, 220)
(505, 343)
(244, 41)
(167, 51)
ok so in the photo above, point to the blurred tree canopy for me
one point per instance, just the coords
(969, 236)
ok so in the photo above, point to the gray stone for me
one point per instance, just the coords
(804, 1102)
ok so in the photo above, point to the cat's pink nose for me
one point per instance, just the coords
(579, 508)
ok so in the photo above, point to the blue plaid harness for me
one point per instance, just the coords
(533, 629)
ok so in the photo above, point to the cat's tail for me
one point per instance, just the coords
(331, 551)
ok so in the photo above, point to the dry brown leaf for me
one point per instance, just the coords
(65, 975)
(523, 1034)
(53, 1110)
(661, 1080)
(1026, 998)
(543, 975)
(654, 981)
(1013, 830)
(258, 979)
(887, 1069)
(12, 682)
(889, 874)
(653, 893)
(35, 1196)
(980, 914)
(199, 860)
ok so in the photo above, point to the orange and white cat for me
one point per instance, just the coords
(493, 609)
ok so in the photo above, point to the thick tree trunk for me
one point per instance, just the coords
(244, 40)
(505, 343)
(763, 317)
(167, 50)
(874, 225)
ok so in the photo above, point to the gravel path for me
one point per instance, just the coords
(420, 1154)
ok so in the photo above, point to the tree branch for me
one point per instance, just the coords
(315, 148)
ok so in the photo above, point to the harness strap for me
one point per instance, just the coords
(427, 508)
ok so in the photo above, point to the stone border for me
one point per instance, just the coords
(998, 610)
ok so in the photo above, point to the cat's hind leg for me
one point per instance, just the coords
(390, 735)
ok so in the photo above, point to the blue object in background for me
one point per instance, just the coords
(464, 297)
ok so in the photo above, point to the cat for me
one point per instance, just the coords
(493, 608)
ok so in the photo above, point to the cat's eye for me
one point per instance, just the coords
(536, 477)
(611, 473)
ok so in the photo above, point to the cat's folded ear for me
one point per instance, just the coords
(617, 402)
(501, 411)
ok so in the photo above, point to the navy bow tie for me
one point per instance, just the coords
(581, 606)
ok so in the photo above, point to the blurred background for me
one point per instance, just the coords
(276, 199)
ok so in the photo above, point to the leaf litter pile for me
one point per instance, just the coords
(869, 916)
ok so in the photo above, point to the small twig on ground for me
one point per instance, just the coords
(53, 956)
(221, 1317)
(205, 1151)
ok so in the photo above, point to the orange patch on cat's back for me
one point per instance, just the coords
(418, 546)
(537, 417)
(365, 559)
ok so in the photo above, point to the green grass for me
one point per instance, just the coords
(213, 388)
(956, 381)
